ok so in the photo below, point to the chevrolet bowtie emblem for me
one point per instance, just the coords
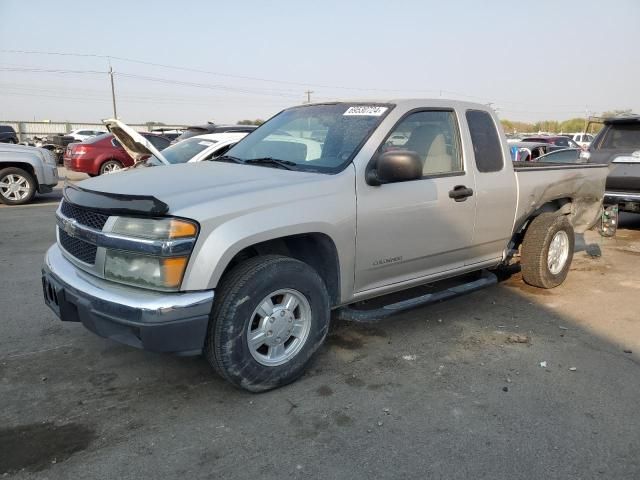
(70, 226)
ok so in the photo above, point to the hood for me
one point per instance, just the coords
(8, 147)
(138, 147)
(190, 184)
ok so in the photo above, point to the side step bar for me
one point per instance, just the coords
(355, 315)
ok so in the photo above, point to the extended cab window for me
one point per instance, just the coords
(433, 135)
(486, 143)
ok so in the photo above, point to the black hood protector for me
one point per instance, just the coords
(114, 203)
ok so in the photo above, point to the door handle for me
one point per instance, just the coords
(460, 193)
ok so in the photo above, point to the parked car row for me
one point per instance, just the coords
(617, 144)
(565, 140)
(104, 154)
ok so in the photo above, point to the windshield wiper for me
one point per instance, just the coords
(228, 158)
(286, 164)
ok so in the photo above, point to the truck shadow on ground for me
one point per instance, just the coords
(448, 376)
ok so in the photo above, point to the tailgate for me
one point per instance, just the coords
(624, 177)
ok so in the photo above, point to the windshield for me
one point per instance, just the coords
(621, 136)
(185, 150)
(319, 138)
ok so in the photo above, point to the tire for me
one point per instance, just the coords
(16, 178)
(236, 315)
(538, 267)
(110, 166)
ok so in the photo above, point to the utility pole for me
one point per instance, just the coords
(113, 91)
(308, 93)
(587, 114)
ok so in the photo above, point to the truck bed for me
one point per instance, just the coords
(539, 183)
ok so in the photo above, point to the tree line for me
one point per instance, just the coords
(573, 125)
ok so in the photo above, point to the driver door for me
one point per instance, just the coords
(414, 229)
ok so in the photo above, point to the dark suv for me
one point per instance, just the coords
(618, 144)
(8, 134)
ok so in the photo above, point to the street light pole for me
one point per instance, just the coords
(309, 92)
(113, 92)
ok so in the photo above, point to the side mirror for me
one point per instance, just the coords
(396, 166)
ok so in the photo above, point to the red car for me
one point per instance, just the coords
(104, 154)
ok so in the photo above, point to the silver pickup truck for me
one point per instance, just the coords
(25, 171)
(245, 257)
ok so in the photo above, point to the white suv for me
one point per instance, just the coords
(583, 139)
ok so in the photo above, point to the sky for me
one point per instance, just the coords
(194, 61)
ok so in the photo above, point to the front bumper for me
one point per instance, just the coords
(155, 321)
(47, 178)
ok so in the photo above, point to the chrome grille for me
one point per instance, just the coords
(83, 251)
(83, 216)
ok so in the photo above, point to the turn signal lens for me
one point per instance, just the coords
(173, 270)
(181, 229)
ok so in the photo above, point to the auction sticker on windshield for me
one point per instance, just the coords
(206, 143)
(371, 111)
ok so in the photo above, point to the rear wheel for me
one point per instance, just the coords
(270, 316)
(547, 250)
(17, 186)
(110, 166)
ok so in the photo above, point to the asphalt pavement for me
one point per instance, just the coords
(510, 382)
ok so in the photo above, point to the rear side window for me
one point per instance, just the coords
(621, 136)
(486, 143)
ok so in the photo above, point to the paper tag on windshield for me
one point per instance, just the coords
(205, 143)
(370, 111)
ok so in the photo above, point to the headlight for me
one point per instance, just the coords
(145, 271)
(155, 229)
(133, 264)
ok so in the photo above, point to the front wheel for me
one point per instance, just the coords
(17, 186)
(270, 316)
(547, 250)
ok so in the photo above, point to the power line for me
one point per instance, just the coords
(204, 85)
(209, 72)
(50, 70)
(283, 82)
(252, 78)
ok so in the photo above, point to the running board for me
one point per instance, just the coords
(355, 315)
